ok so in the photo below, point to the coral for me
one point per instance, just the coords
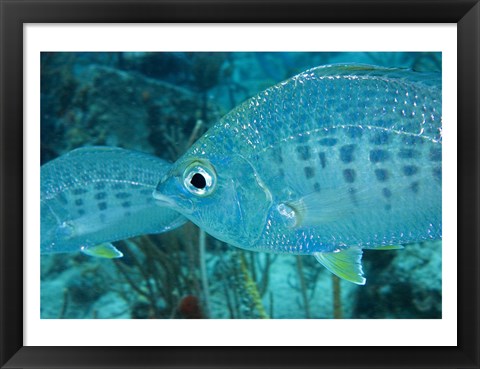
(251, 289)
(189, 307)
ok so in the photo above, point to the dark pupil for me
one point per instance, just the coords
(198, 181)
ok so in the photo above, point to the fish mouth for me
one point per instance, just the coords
(164, 200)
(182, 205)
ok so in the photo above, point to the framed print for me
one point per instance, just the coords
(216, 181)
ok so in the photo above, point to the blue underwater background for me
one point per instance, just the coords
(160, 103)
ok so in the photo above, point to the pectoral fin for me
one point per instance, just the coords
(329, 205)
(104, 250)
(346, 264)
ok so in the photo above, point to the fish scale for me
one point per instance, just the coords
(333, 160)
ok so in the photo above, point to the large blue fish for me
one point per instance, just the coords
(93, 196)
(332, 161)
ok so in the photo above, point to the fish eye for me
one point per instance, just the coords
(199, 179)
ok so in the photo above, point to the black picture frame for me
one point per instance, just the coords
(15, 13)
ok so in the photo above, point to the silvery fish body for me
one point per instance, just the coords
(334, 160)
(96, 195)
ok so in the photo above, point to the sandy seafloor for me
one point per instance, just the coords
(151, 102)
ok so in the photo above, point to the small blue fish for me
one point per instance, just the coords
(96, 195)
(332, 161)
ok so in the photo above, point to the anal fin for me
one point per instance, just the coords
(346, 264)
(104, 250)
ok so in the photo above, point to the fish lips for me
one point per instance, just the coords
(176, 202)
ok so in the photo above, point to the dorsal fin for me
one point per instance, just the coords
(373, 71)
(104, 151)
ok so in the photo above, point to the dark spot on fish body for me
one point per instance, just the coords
(81, 212)
(127, 214)
(126, 195)
(349, 175)
(62, 198)
(100, 195)
(379, 156)
(144, 192)
(304, 152)
(99, 186)
(102, 206)
(436, 154)
(410, 170)
(346, 153)
(149, 200)
(316, 187)
(415, 187)
(79, 191)
(323, 159)
(328, 141)
(408, 154)
(79, 202)
(126, 204)
(386, 192)
(309, 172)
(277, 155)
(380, 138)
(381, 174)
(388, 207)
(354, 132)
(281, 173)
(437, 173)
